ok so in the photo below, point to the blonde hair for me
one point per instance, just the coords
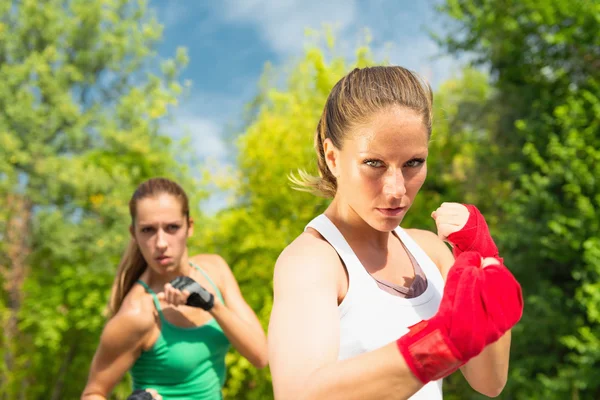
(132, 263)
(353, 100)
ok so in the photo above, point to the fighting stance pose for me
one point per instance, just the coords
(364, 309)
(173, 316)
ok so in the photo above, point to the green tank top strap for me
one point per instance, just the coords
(209, 281)
(154, 296)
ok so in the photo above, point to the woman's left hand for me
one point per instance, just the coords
(450, 218)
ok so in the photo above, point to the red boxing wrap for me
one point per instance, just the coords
(474, 236)
(478, 306)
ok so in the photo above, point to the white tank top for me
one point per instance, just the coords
(371, 318)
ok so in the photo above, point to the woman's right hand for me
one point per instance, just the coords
(482, 300)
(173, 296)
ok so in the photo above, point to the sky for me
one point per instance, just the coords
(229, 42)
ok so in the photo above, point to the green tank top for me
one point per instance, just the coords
(184, 363)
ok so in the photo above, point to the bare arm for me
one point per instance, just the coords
(120, 345)
(304, 335)
(239, 322)
(486, 373)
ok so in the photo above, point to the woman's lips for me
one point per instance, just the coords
(392, 212)
(163, 260)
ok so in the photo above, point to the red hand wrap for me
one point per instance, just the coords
(478, 306)
(474, 236)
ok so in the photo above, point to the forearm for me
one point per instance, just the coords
(380, 374)
(488, 372)
(248, 339)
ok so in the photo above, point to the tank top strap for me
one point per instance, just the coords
(209, 280)
(154, 296)
(332, 234)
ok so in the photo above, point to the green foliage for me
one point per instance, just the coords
(80, 127)
(546, 66)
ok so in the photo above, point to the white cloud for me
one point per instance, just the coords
(205, 135)
(282, 23)
(420, 54)
(203, 129)
(203, 119)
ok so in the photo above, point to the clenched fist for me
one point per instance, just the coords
(450, 218)
(463, 226)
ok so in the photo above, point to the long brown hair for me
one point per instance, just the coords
(353, 100)
(132, 263)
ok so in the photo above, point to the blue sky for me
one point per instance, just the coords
(229, 42)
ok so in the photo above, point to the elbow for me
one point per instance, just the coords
(263, 360)
(490, 384)
(260, 361)
(492, 389)
(492, 392)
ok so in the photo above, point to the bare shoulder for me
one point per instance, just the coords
(210, 260)
(434, 247)
(215, 266)
(427, 240)
(136, 318)
(308, 257)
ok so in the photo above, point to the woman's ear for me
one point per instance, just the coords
(332, 155)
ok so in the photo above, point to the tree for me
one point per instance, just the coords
(545, 61)
(278, 140)
(81, 111)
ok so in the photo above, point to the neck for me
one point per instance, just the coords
(355, 230)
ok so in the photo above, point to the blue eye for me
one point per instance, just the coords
(373, 163)
(415, 162)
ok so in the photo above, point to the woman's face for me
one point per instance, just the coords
(161, 231)
(381, 166)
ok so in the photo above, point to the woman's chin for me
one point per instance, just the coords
(387, 224)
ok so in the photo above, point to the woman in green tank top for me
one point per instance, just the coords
(174, 350)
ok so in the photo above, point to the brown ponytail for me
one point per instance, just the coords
(130, 269)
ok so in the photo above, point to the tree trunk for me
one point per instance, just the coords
(13, 272)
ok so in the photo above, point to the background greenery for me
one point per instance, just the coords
(83, 107)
